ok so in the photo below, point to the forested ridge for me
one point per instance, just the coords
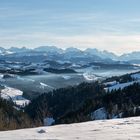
(73, 104)
(11, 118)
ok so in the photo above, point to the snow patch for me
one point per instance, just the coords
(89, 76)
(66, 77)
(111, 83)
(99, 114)
(1, 76)
(48, 121)
(43, 85)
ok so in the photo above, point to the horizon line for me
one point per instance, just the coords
(65, 48)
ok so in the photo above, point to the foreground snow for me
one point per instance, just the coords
(117, 129)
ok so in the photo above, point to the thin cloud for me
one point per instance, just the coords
(103, 42)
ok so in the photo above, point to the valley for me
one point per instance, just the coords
(25, 70)
(60, 88)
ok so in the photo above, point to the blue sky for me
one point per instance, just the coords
(112, 25)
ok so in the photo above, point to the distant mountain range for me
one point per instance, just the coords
(72, 54)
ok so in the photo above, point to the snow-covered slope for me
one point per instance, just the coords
(116, 129)
(114, 85)
(136, 76)
(120, 86)
(15, 95)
